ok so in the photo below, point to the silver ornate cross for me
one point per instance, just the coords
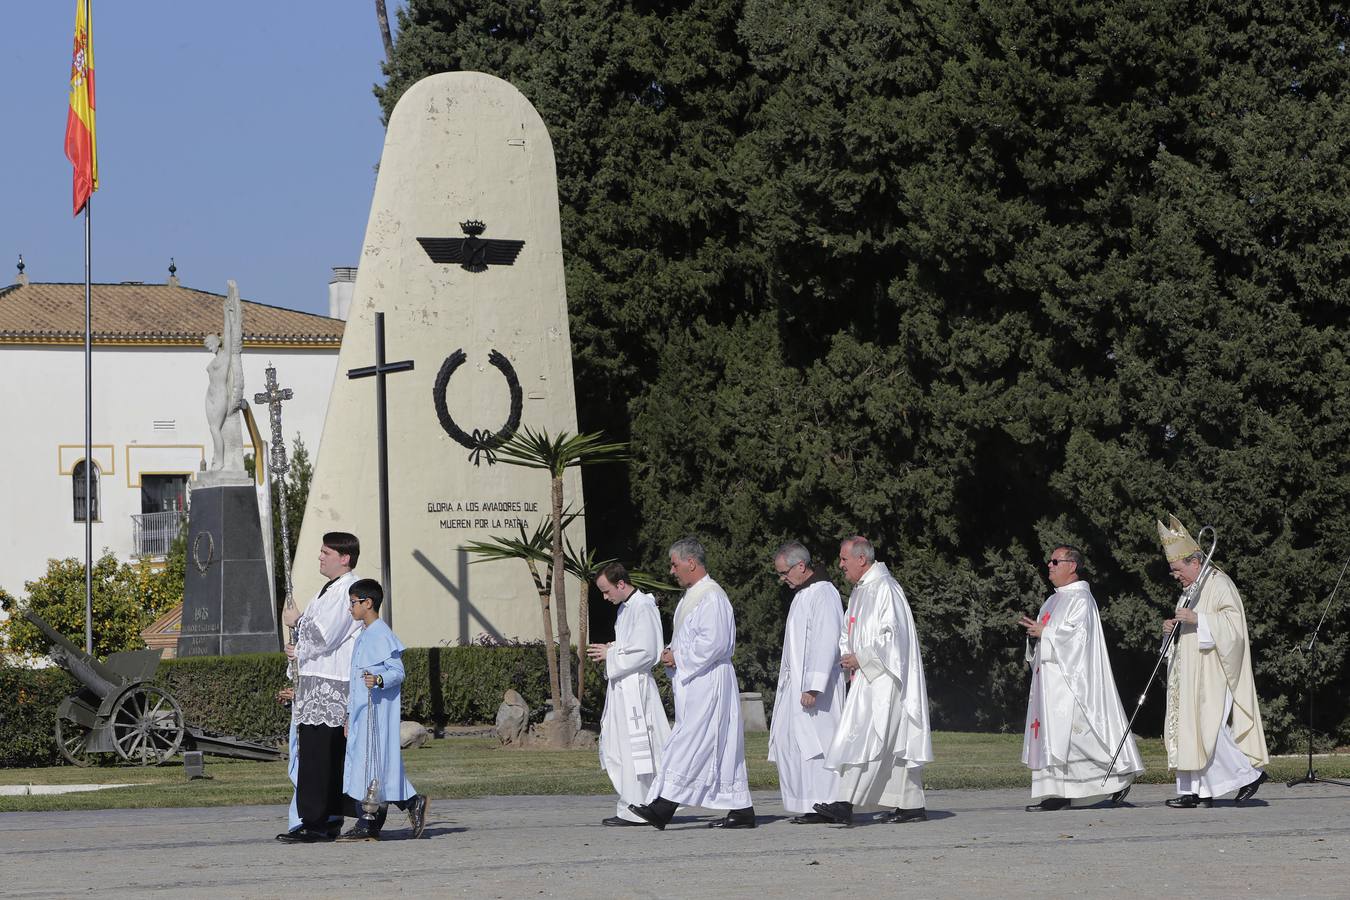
(273, 397)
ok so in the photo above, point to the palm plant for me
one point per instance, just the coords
(537, 450)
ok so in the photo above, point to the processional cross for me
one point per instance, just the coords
(279, 466)
(379, 370)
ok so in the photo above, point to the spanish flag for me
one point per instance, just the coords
(80, 145)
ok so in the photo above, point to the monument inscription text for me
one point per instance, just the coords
(475, 513)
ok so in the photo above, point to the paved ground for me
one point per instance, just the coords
(1286, 843)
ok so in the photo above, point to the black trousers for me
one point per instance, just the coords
(318, 785)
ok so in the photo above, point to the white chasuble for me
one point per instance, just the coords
(634, 725)
(1201, 680)
(885, 721)
(703, 760)
(1074, 716)
(799, 736)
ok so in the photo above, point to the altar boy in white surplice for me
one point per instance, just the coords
(703, 762)
(634, 725)
(810, 698)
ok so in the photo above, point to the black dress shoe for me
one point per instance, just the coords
(620, 822)
(359, 832)
(1119, 796)
(303, 835)
(902, 816)
(838, 812)
(810, 819)
(1190, 801)
(1049, 804)
(737, 818)
(657, 814)
(417, 814)
(1248, 791)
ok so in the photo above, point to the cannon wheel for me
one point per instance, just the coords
(72, 739)
(147, 725)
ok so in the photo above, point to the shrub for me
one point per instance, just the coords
(127, 598)
(28, 715)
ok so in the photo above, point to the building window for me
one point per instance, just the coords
(163, 493)
(78, 486)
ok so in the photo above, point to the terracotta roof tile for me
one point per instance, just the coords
(149, 314)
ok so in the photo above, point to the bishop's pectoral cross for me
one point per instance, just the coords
(1036, 729)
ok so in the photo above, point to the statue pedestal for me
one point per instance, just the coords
(227, 595)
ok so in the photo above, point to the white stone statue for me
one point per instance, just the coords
(225, 396)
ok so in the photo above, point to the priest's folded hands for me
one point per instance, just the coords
(848, 661)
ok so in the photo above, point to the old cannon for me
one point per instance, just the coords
(117, 709)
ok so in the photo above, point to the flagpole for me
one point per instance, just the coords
(88, 450)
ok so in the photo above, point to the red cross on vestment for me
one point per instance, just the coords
(1045, 619)
(1036, 729)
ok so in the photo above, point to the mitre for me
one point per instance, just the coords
(1177, 542)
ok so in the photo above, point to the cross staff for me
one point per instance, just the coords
(273, 397)
(379, 370)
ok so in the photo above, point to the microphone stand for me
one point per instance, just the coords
(1311, 777)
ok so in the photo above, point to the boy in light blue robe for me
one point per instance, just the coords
(375, 702)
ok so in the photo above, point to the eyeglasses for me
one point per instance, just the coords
(1057, 562)
(355, 600)
(782, 576)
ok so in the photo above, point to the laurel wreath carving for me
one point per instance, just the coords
(203, 564)
(481, 443)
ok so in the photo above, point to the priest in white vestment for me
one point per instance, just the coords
(634, 726)
(810, 697)
(1075, 719)
(703, 761)
(1212, 731)
(883, 741)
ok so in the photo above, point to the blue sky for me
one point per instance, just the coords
(240, 138)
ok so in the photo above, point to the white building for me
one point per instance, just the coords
(149, 426)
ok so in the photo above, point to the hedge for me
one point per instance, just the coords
(28, 715)
(235, 694)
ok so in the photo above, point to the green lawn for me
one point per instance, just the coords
(474, 767)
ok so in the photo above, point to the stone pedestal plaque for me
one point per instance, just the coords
(463, 255)
(227, 598)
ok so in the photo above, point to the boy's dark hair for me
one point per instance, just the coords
(367, 589)
(614, 573)
(343, 544)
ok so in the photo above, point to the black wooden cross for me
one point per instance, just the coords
(379, 370)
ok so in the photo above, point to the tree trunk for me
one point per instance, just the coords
(560, 601)
(550, 652)
(583, 639)
(383, 15)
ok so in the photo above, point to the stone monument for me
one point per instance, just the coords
(463, 256)
(227, 588)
